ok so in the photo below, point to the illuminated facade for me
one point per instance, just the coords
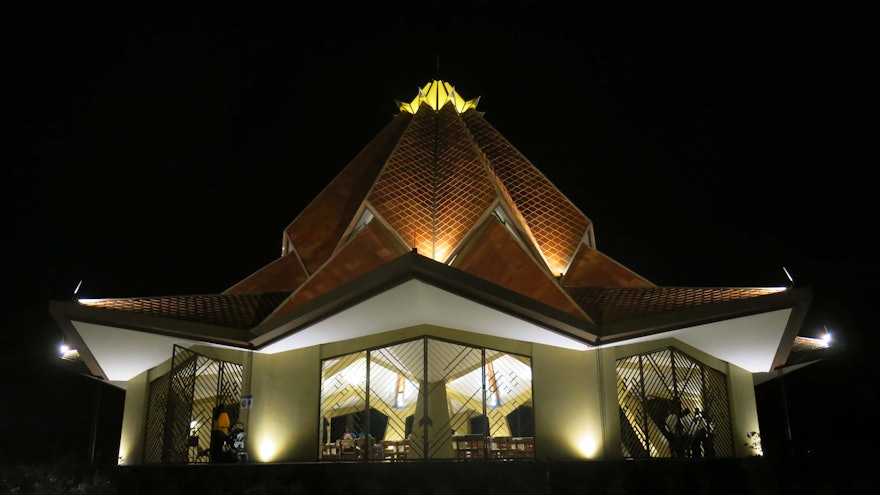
(443, 297)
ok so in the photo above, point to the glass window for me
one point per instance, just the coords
(419, 396)
(672, 405)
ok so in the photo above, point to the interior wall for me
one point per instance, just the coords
(440, 446)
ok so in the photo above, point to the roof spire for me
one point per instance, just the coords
(436, 93)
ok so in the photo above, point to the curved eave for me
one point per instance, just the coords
(118, 345)
(755, 334)
(414, 289)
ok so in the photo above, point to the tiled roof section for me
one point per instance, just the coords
(284, 274)
(371, 248)
(464, 190)
(806, 344)
(403, 194)
(590, 268)
(556, 224)
(608, 305)
(494, 255)
(522, 225)
(241, 311)
(316, 232)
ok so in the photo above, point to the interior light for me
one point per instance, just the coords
(493, 385)
(63, 349)
(349, 377)
(401, 389)
(827, 337)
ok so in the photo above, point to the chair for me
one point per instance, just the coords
(330, 452)
(500, 448)
(523, 447)
(395, 450)
(347, 450)
(367, 447)
(401, 450)
(469, 446)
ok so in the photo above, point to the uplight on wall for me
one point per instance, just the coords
(124, 451)
(267, 450)
(584, 441)
(588, 446)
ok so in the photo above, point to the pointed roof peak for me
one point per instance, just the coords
(436, 94)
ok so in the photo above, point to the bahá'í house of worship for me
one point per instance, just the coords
(440, 299)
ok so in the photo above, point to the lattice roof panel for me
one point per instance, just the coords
(241, 311)
(555, 223)
(610, 304)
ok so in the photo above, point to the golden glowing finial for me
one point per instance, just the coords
(436, 94)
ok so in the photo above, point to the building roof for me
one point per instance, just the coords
(441, 203)
(614, 304)
(606, 305)
(242, 311)
(441, 180)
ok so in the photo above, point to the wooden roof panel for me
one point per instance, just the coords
(497, 257)
(373, 247)
(592, 268)
(317, 231)
(556, 224)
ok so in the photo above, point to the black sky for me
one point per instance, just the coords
(163, 153)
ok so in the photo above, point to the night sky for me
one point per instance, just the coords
(164, 153)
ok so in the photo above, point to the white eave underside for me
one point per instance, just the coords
(748, 342)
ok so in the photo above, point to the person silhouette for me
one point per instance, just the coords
(678, 424)
(219, 432)
(698, 438)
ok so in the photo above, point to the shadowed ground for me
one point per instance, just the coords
(653, 477)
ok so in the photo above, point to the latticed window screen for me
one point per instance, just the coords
(155, 427)
(671, 405)
(181, 405)
(425, 391)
